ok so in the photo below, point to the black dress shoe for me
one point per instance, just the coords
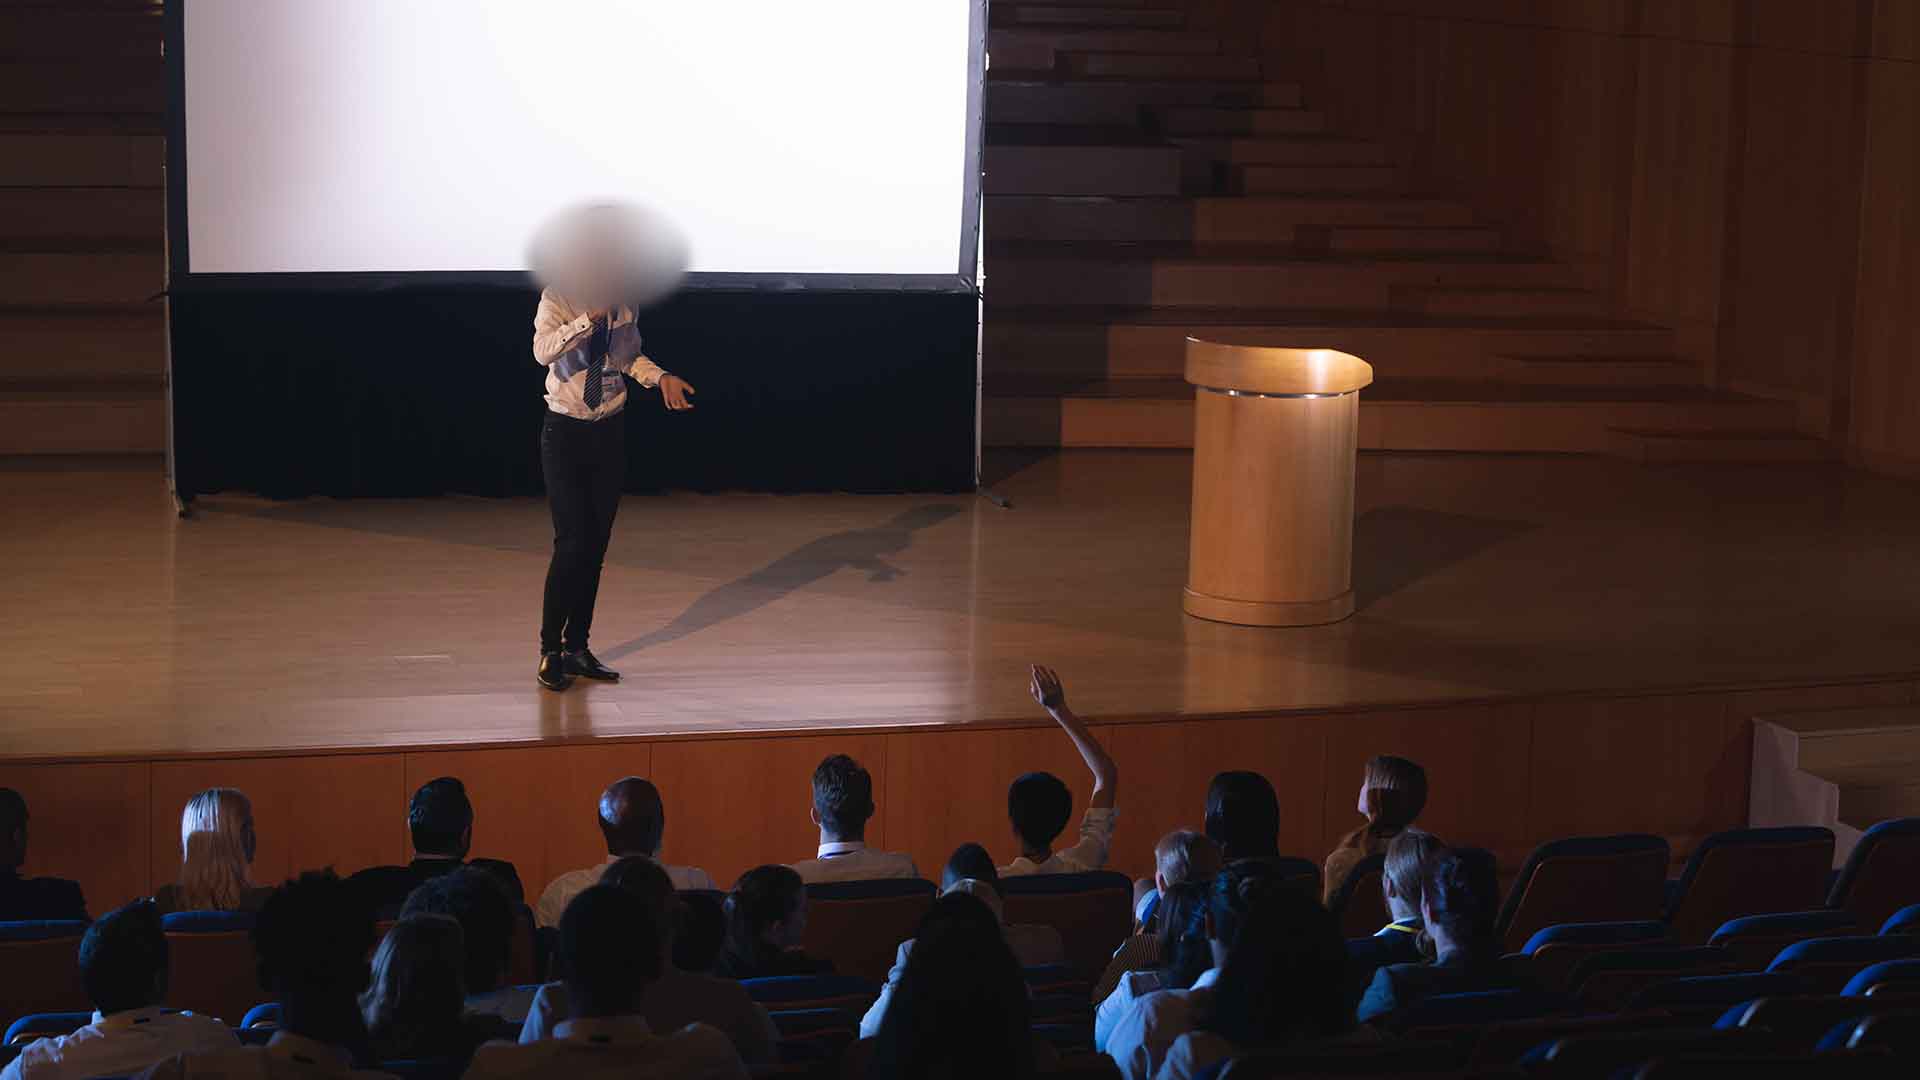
(553, 671)
(588, 666)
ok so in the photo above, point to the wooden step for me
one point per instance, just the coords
(1404, 239)
(1602, 370)
(79, 217)
(1668, 446)
(112, 344)
(1200, 223)
(56, 160)
(1276, 179)
(80, 280)
(1120, 101)
(1115, 170)
(78, 31)
(1411, 414)
(1285, 150)
(105, 418)
(1181, 66)
(1504, 301)
(1199, 120)
(1252, 219)
(1080, 277)
(1845, 769)
(1086, 15)
(64, 86)
(1124, 40)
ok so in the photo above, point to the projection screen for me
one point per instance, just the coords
(796, 144)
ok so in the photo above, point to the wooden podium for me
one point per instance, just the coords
(1274, 437)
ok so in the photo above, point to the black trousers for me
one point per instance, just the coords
(585, 466)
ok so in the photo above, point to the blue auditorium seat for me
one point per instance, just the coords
(1607, 981)
(265, 1015)
(1883, 873)
(806, 992)
(859, 925)
(1904, 921)
(1585, 879)
(1710, 995)
(1749, 872)
(1093, 913)
(41, 1025)
(1359, 902)
(1827, 963)
(1478, 1008)
(1554, 952)
(1796, 1023)
(40, 959)
(1756, 939)
(212, 968)
(1897, 976)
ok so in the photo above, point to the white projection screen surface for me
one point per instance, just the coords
(432, 136)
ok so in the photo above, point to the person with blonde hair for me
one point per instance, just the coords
(1393, 791)
(216, 863)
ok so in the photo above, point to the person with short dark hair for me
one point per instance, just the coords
(961, 1007)
(1393, 791)
(1243, 816)
(1039, 804)
(842, 804)
(123, 966)
(440, 823)
(1458, 894)
(633, 822)
(766, 919)
(25, 897)
(311, 939)
(610, 952)
(474, 899)
(416, 1005)
(678, 998)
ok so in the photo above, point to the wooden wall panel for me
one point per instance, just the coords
(1885, 413)
(1896, 29)
(88, 822)
(344, 811)
(534, 806)
(1676, 235)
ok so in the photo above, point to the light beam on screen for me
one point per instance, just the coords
(436, 135)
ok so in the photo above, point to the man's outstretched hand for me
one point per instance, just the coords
(1046, 688)
(675, 391)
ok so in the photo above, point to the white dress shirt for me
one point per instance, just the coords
(622, 1046)
(1096, 837)
(285, 1057)
(119, 1045)
(1133, 986)
(511, 1003)
(562, 338)
(853, 860)
(1141, 1039)
(553, 902)
(673, 1001)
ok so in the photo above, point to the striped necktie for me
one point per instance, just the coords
(596, 363)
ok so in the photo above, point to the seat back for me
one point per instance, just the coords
(1756, 939)
(1797, 1023)
(212, 968)
(1360, 902)
(1706, 997)
(1585, 879)
(1502, 1044)
(703, 929)
(1883, 873)
(1392, 1059)
(1605, 983)
(813, 1038)
(1442, 1014)
(41, 962)
(524, 962)
(1904, 921)
(41, 1025)
(790, 993)
(1750, 872)
(1887, 976)
(1826, 964)
(264, 1015)
(1093, 913)
(1604, 1053)
(1895, 1032)
(1555, 951)
(859, 925)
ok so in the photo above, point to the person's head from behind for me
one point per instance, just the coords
(1184, 855)
(1039, 805)
(960, 1009)
(647, 880)
(1406, 860)
(1186, 947)
(311, 940)
(767, 910)
(842, 798)
(1231, 896)
(632, 818)
(1393, 791)
(13, 829)
(969, 861)
(1282, 979)
(216, 843)
(440, 817)
(419, 985)
(474, 899)
(1458, 890)
(609, 951)
(700, 933)
(1243, 816)
(123, 959)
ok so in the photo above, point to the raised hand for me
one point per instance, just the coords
(1046, 688)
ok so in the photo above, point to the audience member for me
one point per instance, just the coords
(440, 822)
(766, 918)
(1141, 1038)
(701, 931)
(1181, 855)
(842, 803)
(416, 1005)
(970, 870)
(633, 821)
(1279, 988)
(1407, 857)
(1243, 816)
(25, 897)
(311, 940)
(123, 966)
(1457, 894)
(960, 1009)
(677, 998)
(1393, 791)
(1039, 804)
(475, 899)
(216, 862)
(1185, 954)
(610, 952)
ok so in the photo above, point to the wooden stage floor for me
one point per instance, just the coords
(260, 627)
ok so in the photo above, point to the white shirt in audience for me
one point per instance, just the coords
(508, 1003)
(853, 860)
(673, 1001)
(1096, 837)
(1141, 1039)
(119, 1045)
(1133, 986)
(621, 1046)
(1193, 1052)
(286, 1057)
(553, 902)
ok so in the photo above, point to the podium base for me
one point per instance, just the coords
(1267, 613)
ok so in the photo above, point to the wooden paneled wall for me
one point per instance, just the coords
(1742, 170)
(1504, 775)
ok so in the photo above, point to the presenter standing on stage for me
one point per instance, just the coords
(583, 457)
